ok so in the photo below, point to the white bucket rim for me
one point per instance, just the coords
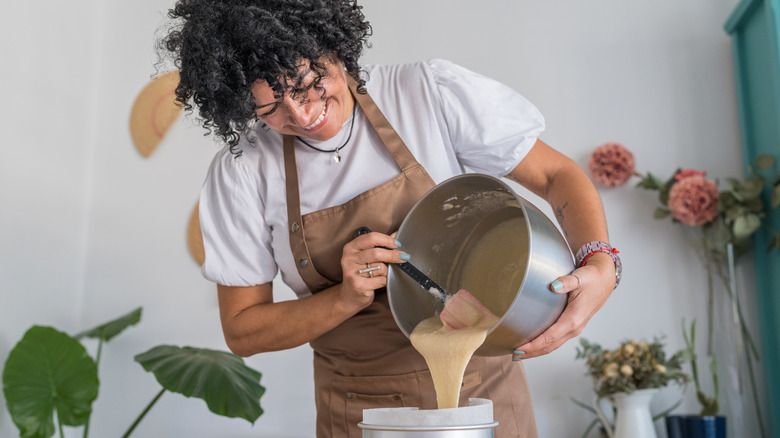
(428, 428)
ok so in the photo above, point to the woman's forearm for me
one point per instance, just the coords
(252, 323)
(578, 209)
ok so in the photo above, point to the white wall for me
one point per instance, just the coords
(89, 229)
(47, 119)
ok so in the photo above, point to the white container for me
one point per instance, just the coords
(473, 421)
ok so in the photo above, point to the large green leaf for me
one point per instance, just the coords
(47, 371)
(112, 328)
(229, 387)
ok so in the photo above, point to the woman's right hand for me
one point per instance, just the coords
(253, 323)
(364, 265)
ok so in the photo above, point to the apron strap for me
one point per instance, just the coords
(298, 245)
(393, 142)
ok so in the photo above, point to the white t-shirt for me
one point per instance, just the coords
(449, 117)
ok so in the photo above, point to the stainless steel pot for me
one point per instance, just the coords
(452, 236)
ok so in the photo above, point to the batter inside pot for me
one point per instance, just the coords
(448, 341)
(494, 267)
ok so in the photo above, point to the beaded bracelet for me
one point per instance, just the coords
(590, 248)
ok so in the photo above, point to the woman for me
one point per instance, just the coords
(316, 147)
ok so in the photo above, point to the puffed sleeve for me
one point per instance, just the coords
(491, 126)
(236, 239)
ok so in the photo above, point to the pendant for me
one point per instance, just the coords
(337, 157)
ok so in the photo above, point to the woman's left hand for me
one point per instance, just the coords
(586, 296)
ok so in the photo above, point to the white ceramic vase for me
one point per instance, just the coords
(633, 418)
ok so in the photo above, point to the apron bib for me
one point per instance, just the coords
(367, 362)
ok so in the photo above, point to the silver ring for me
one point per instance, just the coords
(579, 281)
(369, 269)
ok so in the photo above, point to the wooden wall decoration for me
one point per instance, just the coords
(195, 238)
(154, 111)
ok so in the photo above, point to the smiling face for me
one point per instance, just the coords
(318, 114)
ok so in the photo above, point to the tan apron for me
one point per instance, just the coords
(367, 362)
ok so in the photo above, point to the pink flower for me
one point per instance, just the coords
(685, 173)
(611, 165)
(694, 200)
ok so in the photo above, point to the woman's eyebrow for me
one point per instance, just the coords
(311, 83)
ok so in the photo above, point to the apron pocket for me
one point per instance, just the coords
(471, 380)
(353, 394)
(356, 402)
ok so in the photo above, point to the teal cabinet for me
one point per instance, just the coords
(754, 27)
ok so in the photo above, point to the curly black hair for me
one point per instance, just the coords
(221, 47)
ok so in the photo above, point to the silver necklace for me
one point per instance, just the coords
(337, 156)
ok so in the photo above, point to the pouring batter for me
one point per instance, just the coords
(316, 146)
(448, 341)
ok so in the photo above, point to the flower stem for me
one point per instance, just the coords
(143, 413)
(755, 395)
(732, 287)
(750, 346)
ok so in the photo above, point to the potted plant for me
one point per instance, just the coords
(628, 377)
(707, 424)
(50, 375)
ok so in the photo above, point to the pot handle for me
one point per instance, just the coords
(417, 275)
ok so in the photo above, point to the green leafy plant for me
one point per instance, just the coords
(709, 405)
(49, 374)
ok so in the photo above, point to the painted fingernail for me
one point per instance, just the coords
(405, 257)
(557, 285)
(519, 352)
(516, 359)
(397, 243)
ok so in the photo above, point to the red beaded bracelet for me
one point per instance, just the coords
(585, 259)
(590, 248)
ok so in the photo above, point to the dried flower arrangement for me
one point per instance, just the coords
(724, 219)
(633, 365)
